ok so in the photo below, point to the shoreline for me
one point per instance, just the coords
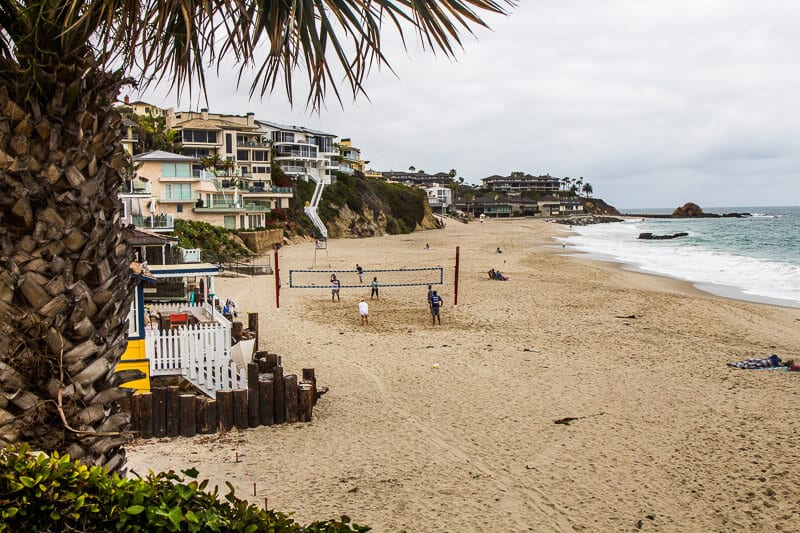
(451, 427)
(714, 289)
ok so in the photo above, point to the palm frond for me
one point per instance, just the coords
(177, 40)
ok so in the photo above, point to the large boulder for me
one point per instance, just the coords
(688, 209)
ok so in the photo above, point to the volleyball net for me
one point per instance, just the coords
(397, 277)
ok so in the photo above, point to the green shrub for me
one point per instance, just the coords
(42, 494)
(214, 242)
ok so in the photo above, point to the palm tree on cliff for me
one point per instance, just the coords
(65, 280)
(587, 189)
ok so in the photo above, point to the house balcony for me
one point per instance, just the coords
(154, 222)
(135, 188)
(180, 198)
(253, 144)
(258, 207)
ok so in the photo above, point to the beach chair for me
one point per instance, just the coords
(177, 320)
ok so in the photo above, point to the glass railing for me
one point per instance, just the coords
(258, 206)
(177, 197)
(155, 221)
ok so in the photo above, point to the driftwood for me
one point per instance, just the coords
(570, 419)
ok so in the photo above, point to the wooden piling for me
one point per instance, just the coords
(200, 409)
(136, 413)
(272, 361)
(240, 417)
(146, 423)
(253, 415)
(290, 383)
(305, 401)
(310, 377)
(211, 415)
(225, 409)
(252, 325)
(173, 411)
(279, 396)
(188, 416)
(159, 412)
(266, 392)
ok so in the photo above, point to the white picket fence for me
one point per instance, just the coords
(199, 353)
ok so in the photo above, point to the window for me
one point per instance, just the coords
(282, 137)
(260, 170)
(243, 155)
(229, 222)
(199, 136)
(179, 208)
(260, 155)
(176, 170)
(179, 191)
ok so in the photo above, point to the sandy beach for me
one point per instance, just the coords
(452, 427)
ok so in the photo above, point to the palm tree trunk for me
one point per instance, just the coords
(65, 281)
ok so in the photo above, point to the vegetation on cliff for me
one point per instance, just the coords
(355, 206)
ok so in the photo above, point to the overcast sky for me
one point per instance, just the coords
(653, 103)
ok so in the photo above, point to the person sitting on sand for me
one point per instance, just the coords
(491, 273)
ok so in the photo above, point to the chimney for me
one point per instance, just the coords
(251, 119)
(204, 113)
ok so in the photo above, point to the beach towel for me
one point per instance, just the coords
(773, 361)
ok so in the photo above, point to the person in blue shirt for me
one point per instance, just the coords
(436, 305)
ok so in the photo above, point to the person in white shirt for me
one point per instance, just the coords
(363, 310)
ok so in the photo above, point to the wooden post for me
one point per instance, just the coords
(159, 412)
(173, 411)
(253, 416)
(252, 325)
(237, 330)
(211, 415)
(266, 391)
(225, 409)
(458, 254)
(147, 415)
(272, 361)
(309, 376)
(277, 281)
(240, 408)
(290, 382)
(136, 413)
(305, 401)
(279, 398)
(188, 418)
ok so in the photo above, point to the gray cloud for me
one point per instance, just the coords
(654, 105)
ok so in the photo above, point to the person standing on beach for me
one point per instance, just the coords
(363, 310)
(360, 273)
(430, 293)
(335, 286)
(436, 305)
(374, 289)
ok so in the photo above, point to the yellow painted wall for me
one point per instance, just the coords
(135, 356)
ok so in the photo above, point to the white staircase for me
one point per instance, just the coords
(311, 208)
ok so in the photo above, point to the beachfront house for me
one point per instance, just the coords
(519, 182)
(350, 157)
(439, 197)
(181, 336)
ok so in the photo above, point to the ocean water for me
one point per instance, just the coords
(755, 258)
